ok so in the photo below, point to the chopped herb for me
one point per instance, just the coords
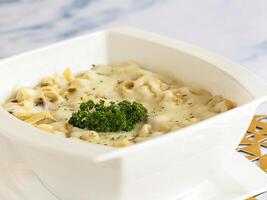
(122, 116)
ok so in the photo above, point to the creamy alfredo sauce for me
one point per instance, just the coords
(171, 105)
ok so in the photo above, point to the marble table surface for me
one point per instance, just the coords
(236, 29)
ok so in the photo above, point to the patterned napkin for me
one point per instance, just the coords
(254, 145)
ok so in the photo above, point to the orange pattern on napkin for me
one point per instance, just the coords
(254, 141)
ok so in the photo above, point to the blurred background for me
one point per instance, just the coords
(236, 29)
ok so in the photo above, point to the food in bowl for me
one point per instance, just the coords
(157, 103)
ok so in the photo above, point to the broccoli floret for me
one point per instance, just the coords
(122, 116)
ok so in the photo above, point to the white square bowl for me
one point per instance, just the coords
(168, 167)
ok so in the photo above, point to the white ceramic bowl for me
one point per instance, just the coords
(171, 166)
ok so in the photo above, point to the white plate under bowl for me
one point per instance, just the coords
(235, 177)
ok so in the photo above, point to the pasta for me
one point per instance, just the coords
(171, 105)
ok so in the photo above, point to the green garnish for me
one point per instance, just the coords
(122, 116)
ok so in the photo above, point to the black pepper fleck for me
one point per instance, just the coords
(39, 102)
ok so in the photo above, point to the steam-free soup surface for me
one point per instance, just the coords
(171, 105)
